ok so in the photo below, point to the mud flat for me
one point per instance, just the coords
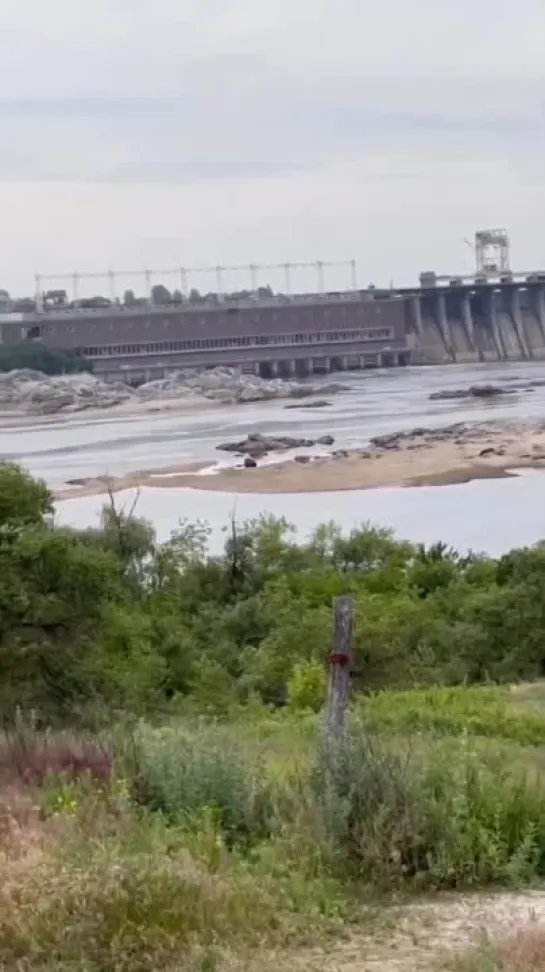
(421, 457)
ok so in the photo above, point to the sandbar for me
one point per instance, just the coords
(420, 458)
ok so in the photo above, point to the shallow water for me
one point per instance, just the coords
(484, 516)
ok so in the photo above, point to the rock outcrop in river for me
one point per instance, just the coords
(459, 433)
(230, 386)
(34, 393)
(256, 445)
(475, 391)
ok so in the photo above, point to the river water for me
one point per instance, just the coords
(486, 515)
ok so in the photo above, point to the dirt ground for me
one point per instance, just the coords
(421, 937)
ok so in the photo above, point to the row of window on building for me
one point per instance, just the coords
(258, 340)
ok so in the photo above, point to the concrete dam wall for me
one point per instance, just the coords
(490, 323)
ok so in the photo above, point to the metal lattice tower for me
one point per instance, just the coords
(183, 275)
(492, 251)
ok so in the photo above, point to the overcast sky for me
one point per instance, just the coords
(175, 132)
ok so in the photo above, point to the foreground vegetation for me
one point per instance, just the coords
(166, 797)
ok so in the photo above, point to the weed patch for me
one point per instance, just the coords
(184, 775)
(478, 711)
(443, 814)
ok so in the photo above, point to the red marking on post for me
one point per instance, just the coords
(339, 658)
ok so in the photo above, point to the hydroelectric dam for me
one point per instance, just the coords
(493, 314)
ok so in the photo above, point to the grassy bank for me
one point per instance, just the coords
(195, 844)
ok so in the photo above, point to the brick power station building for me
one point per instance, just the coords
(256, 331)
(298, 336)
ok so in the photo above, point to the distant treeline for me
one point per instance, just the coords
(39, 358)
(160, 296)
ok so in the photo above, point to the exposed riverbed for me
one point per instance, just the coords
(488, 515)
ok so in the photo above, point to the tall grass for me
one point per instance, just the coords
(183, 774)
(30, 756)
(120, 908)
(479, 711)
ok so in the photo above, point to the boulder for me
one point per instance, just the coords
(326, 440)
(37, 393)
(55, 404)
(489, 391)
(249, 462)
(319, 403)
(491, 451)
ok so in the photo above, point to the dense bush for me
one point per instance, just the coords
(211, 841)
(37, 357)
(523, 951)
(218, 820)
(31, 757)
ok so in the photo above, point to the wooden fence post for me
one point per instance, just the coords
(341, 660)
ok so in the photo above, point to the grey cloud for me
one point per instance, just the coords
(332, 123)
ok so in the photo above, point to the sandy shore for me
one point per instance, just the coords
(456, 454)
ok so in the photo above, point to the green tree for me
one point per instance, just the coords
(35, 356)
(23, 500)
(53, 591)
(129, 298)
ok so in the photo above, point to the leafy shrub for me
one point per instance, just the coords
(441, 814)
(183, 774)
(306, 687)
(39, 358)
